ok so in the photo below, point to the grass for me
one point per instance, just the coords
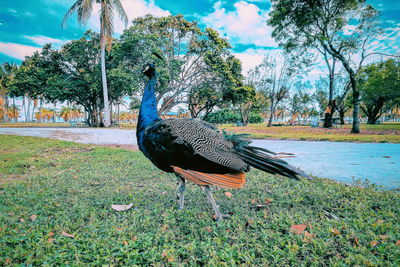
(381, 133)
(70, 188)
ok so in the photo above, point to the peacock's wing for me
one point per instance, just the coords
(191, 144)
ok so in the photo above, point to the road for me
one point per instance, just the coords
(377, 162)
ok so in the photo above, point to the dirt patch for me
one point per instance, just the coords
(69, 149)
(68, 135)
(10, 178)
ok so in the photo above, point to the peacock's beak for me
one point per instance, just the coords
(145, 69)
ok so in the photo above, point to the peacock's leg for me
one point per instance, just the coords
(218, 215)
(181, 192)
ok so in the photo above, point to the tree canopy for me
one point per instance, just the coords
(380, 88)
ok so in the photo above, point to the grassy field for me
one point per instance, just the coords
(381, 133)
(56, 202)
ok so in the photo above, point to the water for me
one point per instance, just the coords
(377, 162)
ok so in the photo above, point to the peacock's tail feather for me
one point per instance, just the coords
(227, 180)
(259, 158)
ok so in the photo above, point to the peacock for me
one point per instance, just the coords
(196, 151)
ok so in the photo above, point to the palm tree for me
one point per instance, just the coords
(107, 7)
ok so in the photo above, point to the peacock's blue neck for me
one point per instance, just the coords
(148, 109)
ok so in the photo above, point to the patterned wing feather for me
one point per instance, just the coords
(204, 140)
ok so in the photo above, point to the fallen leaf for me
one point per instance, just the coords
(380, 221)
(398, 242)
(125, 243)
(170, 259)
(67, 235)
(8, 261)
(51, 234)
(122, 207)
(334, 231)
(22, 220)
(228, 194)
(298, 228)
(164, 254)
(33, 217)
(253, 201)
(307, 236)
(355, 241)
(134, 238)
(50, 240)
(374, 243)
(207, 229)
(268, 200)
(383, 237)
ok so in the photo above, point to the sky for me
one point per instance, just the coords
(25, 25)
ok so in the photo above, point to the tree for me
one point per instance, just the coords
(379, 84)
(299, 101)
(202, 100)
(6, 72)
(244, 98)
(253, 104)
(306, 24)
(72, 74)
(107, 9)
(195, 62)
(274, 79)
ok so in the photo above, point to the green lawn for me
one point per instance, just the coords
(381, 133)
(70, 188)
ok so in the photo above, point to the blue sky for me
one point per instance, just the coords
(25, 25)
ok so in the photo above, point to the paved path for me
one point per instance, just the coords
(377, 162)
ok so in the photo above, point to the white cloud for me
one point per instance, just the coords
(250, 58)
(133, 9)
(18, 51)
(246, 24)
(41, 40)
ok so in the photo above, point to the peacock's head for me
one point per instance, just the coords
(149, 70)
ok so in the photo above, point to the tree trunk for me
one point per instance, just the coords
(107, 121)
(5, 118)
(372, 120)
(356, 95)
(331, 107)
(341, 116)
(272, 114)
(14, 106)
(54, 113)
(27, 114)
(118, 112)
(328, 120)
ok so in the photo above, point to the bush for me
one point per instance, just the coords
(229, 116)
(223, 116)
(255, 118)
